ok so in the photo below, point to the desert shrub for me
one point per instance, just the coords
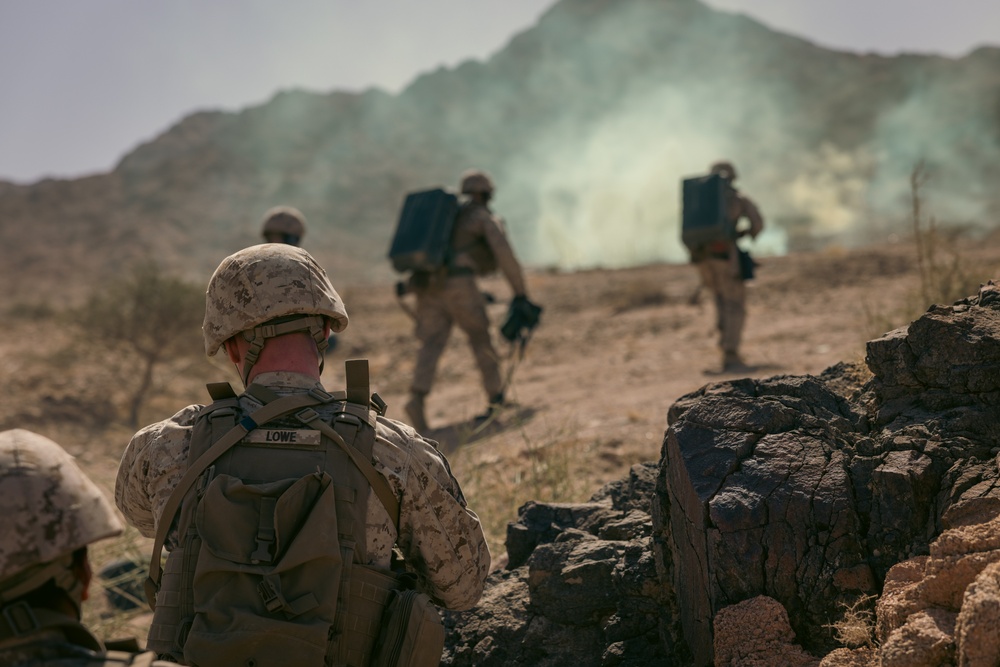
(855, 629)
(142, 321)
(945, 275)
(35, 311)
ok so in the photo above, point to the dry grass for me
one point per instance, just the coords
(856, 628)
(947, 273)
(103, 618)
(635, 294)
(545, 470)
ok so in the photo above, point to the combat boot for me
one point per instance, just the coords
(495, 405)
(732, 362)
(415, 412)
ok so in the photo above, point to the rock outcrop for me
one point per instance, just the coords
(785, 488)
(581, 587)
(812, 491)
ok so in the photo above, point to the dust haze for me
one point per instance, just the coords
(604, 191)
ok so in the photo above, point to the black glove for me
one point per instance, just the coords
(522, 315)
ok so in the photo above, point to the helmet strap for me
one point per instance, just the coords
(313, 324)
(59, 570)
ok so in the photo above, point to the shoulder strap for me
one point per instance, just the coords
(265, 414)
(378, 483)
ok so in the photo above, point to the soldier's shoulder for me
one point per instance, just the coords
(397, 433)
(400, 446)
(177, 426)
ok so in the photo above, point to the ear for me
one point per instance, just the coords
(233, 351)
(326, 328)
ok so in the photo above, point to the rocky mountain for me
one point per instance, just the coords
(587, 120)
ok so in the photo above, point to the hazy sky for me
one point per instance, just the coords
(82, 82)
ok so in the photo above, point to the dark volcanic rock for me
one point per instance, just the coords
(582, 588)
(802, 489)
(782, 487)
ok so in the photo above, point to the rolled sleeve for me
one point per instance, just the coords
(504, 254)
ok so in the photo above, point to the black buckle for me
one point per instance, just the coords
(20, 618)
(270, 596)
(307, 415)
(320, 395)
(348, 418)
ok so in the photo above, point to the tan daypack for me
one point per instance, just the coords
(273, 507)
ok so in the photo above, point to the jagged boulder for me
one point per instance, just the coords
(789, 488)
(806, 490)
(581, 588)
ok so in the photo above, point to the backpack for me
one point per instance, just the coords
(272, 523)
(423, 232)
(703, 213)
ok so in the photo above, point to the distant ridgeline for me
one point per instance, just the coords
(587, 121)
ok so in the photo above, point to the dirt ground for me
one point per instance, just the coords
(614, 350)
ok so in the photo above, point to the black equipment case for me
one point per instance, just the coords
(423, 232)
(703, 215)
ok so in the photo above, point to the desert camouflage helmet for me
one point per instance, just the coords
(725, 169)
(260, 284)
(48, 509)
(475, 181)
(284, 220)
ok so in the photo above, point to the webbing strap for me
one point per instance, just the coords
(20, 619)
(378, 483)
(265, 414)
(358, 390)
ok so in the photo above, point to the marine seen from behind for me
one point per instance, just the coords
(287, 224)
(464, 240)
(712, 210)
(283, 224)
(299, 521)
(50, 512)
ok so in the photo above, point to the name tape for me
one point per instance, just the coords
(282, 436)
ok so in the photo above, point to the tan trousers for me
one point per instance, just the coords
(457, 301)
(722, 277)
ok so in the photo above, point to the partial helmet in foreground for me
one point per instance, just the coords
(48, 509)
(476, 182)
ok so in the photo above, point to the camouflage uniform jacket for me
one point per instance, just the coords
(739, 206)
(479, 243)
(54, 648)
(440, 538)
